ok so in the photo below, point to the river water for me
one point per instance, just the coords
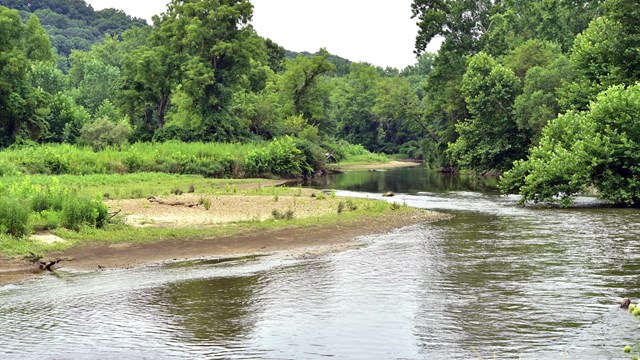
(495, 280)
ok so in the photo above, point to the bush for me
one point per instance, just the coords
(14, 217)
(280, 157)
(599, 148)
(78, 212)
(103, 133)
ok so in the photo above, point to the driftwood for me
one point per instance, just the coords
(113, 214)
(154, 199)
(44, 264)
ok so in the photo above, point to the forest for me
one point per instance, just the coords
(541, 92)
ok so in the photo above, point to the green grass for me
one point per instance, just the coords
(129, 186)
(350, 154)
(365, 159)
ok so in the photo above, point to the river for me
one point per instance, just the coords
(495, 280)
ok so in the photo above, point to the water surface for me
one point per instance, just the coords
(530, 283)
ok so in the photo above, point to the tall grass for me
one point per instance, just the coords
(211, 159)
(346, 153)
(25, 207)
(283, 157)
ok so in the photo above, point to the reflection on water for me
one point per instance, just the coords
(496, 279)
(407, 180)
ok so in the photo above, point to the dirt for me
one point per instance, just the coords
(187, 211)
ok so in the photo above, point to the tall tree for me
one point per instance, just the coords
(23, 108)
(303, 90)
(490, 140)
(217, 46)
(460, 22)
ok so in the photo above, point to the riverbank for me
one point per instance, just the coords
(179, 227)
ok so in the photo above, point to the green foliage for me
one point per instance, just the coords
(25, 206)
(73, 24)
(206, 202)
(14, 217)
(283, 157)
(79, 212)
(280, 157)
(47, 76)
(490, 140)
(23, 107)
(461, 23)
(303, 90)
(598, 148)
(100, 82)
(104, 133)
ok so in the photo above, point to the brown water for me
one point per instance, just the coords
(530, 283)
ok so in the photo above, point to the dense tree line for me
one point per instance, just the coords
(201, 73)
(514, 80)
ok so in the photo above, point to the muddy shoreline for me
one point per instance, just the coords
(297, 242)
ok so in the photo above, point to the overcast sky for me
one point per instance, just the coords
(380, 32)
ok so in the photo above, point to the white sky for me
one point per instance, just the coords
(380, 32)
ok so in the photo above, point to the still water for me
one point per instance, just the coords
(495, 280)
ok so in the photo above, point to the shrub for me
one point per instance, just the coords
(14, 217)
(279, 215)
(104, 132)
(78, 212)
(206, 202)
(280, 157)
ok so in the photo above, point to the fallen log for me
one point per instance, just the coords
(154, 199)
(44, 264)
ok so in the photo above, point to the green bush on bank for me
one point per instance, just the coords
(25, 207)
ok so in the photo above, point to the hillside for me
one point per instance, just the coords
(73, 24)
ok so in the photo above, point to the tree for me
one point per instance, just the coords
(396, 108)
(599, 148)
(100, 82)
(65, 119)
(490, 140)
(543, 69)
(37, 44)
(150, 76)
(605, 54)
(217, 46)
(23, 108)
(460, 23)
(304, 92)
(352, 106)
(48, 77)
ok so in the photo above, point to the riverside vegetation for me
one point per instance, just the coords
(61, 188)
(508, 78)
(64, 206)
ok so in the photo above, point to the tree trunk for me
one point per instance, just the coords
(162, 106)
